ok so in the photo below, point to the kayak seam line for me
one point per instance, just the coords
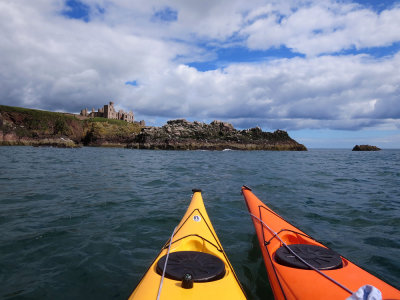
(302, 260)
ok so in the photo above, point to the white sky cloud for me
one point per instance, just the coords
(325, 27)
(50, 61)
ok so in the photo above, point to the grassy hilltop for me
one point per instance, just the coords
(23, 126)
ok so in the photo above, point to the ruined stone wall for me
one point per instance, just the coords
(108, 111)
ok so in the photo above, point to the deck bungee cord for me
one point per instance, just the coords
(165, 265)
(275, 234)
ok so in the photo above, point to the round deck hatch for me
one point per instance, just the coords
(202, 266)
(319, 257)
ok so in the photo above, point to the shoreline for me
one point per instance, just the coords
(29, 127)
(46, 143)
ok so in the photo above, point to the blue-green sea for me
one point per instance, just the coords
(86, 223)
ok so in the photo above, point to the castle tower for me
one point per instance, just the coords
(109, 111)
(84, 112)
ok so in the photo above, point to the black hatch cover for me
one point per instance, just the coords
(202, 266)
(319, 257)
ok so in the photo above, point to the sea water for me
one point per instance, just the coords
(86, 223)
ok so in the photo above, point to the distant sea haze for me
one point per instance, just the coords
(86, 223)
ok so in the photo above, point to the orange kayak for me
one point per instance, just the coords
(300, 267)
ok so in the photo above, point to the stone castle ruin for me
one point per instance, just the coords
(108, 111)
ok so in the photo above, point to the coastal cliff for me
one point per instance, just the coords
(31, 127)
(21, 126)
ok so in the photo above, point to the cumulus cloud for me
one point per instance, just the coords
(340, 92)
(137, 53)
(50, 61)
(324, 27)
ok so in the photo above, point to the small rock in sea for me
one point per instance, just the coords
(365, 148)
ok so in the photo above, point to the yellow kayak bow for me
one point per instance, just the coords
(197, 266)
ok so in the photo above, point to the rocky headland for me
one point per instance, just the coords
(21, 126)
(184, 135)
(365, 148)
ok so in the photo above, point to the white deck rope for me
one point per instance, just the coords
(165, 266)
(302, 260)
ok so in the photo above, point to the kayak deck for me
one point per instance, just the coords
(193, 236)
(291, 281)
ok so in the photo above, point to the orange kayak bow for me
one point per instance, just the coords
(299, 267)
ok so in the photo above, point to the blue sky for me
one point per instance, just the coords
(326, 71)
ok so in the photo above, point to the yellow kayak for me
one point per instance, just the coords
(197, 266)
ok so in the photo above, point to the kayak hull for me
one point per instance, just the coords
(289, 282)
(194, 233)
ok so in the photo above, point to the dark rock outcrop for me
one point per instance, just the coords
(184, 135)
(365, 148)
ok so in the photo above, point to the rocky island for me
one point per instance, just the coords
(365, 148)
(184, 135)
(21, 126)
